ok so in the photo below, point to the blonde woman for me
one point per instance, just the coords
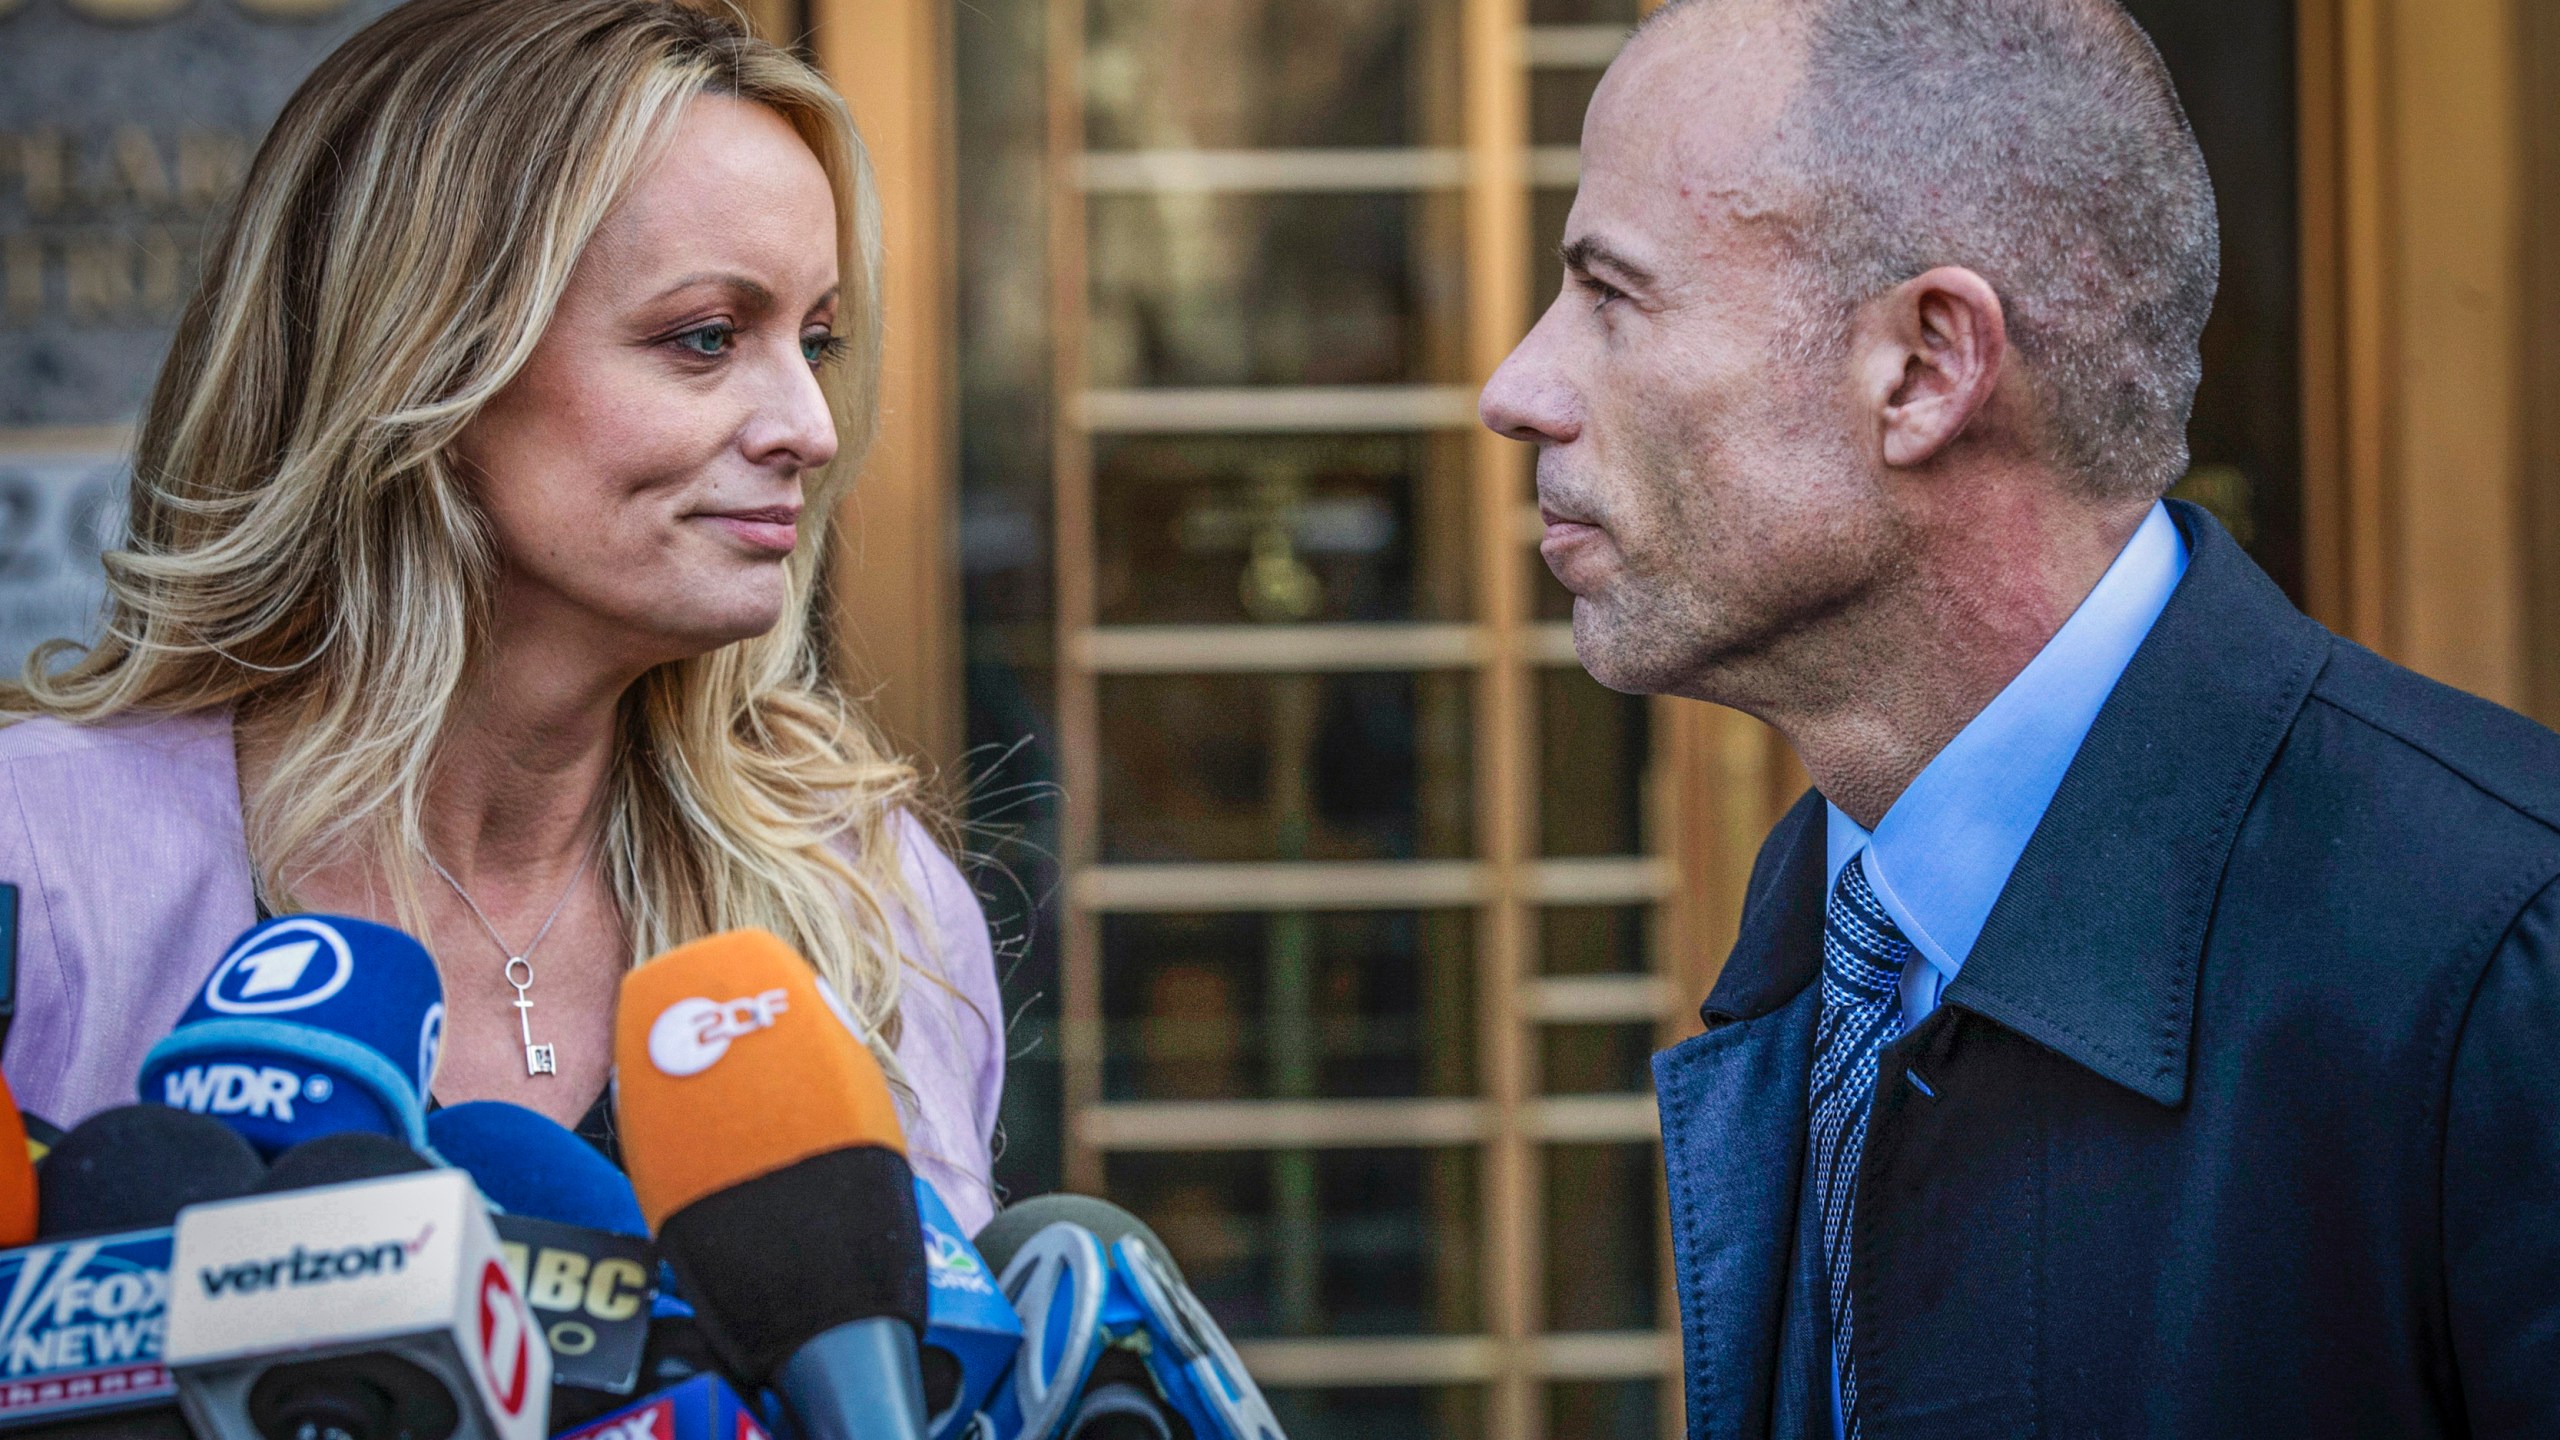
(474, 525)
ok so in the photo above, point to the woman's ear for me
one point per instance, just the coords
(1934, 351)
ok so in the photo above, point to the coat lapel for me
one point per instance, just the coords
(2094, 947)
(1733, 1137)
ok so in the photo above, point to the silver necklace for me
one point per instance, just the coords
(538, 1059)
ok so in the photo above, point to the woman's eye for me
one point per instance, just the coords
(708, 341)
(821, 346)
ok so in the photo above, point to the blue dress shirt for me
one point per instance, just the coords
(1940, 857)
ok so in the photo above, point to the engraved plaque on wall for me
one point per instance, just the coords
(125, 127)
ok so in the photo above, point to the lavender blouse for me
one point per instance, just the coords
(126, 844)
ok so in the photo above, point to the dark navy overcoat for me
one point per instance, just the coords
(2243, 1116)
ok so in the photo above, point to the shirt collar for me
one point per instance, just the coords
(1941, 856)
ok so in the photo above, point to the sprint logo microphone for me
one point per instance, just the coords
(692, 1034)
(301, 1266)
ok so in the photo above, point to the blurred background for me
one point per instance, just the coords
(1340, 910)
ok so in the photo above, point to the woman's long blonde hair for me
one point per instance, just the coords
(303, 551)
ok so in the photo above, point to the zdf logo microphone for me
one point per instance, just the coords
(692, 1034)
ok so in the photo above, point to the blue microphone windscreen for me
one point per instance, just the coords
(533, 1165)
(312, 1025)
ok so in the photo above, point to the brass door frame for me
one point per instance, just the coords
(2414, 208)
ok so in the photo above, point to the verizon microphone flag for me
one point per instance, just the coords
(408, 1265)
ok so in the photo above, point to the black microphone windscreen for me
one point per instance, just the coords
(1121, 1410)
(773, 1262)
(1013, 1227)
(135, 1167)
(339, 1158)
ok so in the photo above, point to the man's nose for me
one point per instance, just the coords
(1528, 398)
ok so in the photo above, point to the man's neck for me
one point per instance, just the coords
(1891, 683)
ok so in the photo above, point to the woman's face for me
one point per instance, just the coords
(642, 475)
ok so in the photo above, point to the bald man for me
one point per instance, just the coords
(2151, 1025)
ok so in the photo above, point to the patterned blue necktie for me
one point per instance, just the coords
(1863, 953)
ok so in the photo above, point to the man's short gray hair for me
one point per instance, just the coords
(2039, 143)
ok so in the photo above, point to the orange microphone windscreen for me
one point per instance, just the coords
(731, 1063)
(17, 1176)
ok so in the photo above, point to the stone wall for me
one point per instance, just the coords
(125, 126)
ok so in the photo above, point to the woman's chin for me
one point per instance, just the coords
(698, 633)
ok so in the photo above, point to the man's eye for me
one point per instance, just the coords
(709, 341)
(1602, 292)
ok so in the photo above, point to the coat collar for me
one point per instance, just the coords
(2094, 947)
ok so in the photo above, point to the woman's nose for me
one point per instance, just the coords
(793, 422)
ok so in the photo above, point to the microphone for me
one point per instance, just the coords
(8, 958)
(337, 1159)
(17, 1157)
(531, 1164)
(135, 1167)
(17, 1174)
(574, 1236)
(1065, 1258)
(81, 1313)
(702, 1408)
(971, 1332)
(767, 1154)
(312, 1024)
(372, 1310)
(42, 1136)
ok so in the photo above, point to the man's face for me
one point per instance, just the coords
(1707, 494)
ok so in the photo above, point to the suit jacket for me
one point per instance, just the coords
(125, 840)
(2247, 1102)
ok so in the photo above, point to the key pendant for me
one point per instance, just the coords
(538, 1059)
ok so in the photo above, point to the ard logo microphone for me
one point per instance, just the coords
(310, 1025)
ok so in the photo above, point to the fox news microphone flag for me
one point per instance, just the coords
(767, 1154)
(311, 1025)
(83, 1316)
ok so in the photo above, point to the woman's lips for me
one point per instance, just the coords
(776, 529)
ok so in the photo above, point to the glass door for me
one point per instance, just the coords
(1355, 962)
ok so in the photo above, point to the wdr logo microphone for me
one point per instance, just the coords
(310, 1025)
(263, 1091)
(293, 964)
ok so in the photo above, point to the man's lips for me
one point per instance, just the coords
(1563, 527)
(773, 527)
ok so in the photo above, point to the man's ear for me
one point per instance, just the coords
(1934, 352)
